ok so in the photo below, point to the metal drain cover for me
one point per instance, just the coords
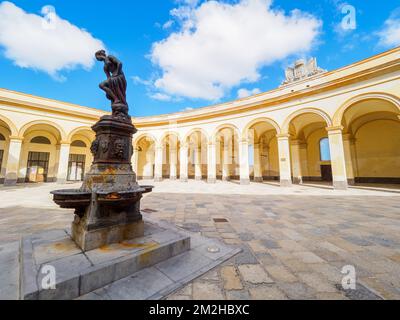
(220, 220)
(213, 249)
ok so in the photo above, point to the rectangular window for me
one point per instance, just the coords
(325, 151)
(76, 167)
(1, 158)
(38, 166)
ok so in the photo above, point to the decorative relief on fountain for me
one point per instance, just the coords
(95, 147)
(120, 149)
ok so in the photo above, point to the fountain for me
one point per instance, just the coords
(109, 241)
(107, 206)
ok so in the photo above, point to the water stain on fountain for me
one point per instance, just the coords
(107, 206)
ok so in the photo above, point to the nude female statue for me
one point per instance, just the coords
(115, 85)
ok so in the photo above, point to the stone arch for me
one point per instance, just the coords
(190, 133)
(29, 136)
(141, 136)
(225, 126)
(171, 154)
(4, 131)
(26, 127)
(196, 141)
(291, 117)
(259, 120)
(144, 155)
(39, 162)
(169, 133)
(306, 127)
(227, 139)
(371, 124)
(338, 117)
(13, 129)
(261, 135)
(78, 131)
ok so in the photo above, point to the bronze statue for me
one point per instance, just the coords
(107, 206)
(115, 86)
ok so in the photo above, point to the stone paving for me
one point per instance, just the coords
(295, 241)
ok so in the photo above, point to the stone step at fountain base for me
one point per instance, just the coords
(78, 273)
(149, 267)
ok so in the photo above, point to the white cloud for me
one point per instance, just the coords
(187, 109)
(389, 36)
(244, 93)
(161, 97)
(47, 43)
(221, 45)
(168, 24)
(139, 80)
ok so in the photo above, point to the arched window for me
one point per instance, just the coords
(79, 144)
(2, 138)
(40, 140)
(325, 150)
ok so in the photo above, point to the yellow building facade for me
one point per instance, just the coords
(341, 127)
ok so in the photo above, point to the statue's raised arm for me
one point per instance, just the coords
(115, 86)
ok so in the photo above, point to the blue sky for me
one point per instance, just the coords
(181, 54)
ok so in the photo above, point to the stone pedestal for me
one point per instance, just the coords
(79, 273)
(92, 239)
(114, 213)
(107, 207)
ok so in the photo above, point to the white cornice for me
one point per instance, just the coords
(368, 67)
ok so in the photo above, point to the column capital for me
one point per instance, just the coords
(348, 137)
(65, 143)
(303, 145)
(298, 142)
(244, 140)
(283, 136)
(335, 129)
(16, 138)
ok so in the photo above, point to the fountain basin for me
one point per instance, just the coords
(80, 200)
(119, 199)
(148, 189)
(72, 199)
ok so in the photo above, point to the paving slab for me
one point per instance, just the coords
(9, 275)
(150, 267)
(167, 277)
(354, 227)
(139, 286)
